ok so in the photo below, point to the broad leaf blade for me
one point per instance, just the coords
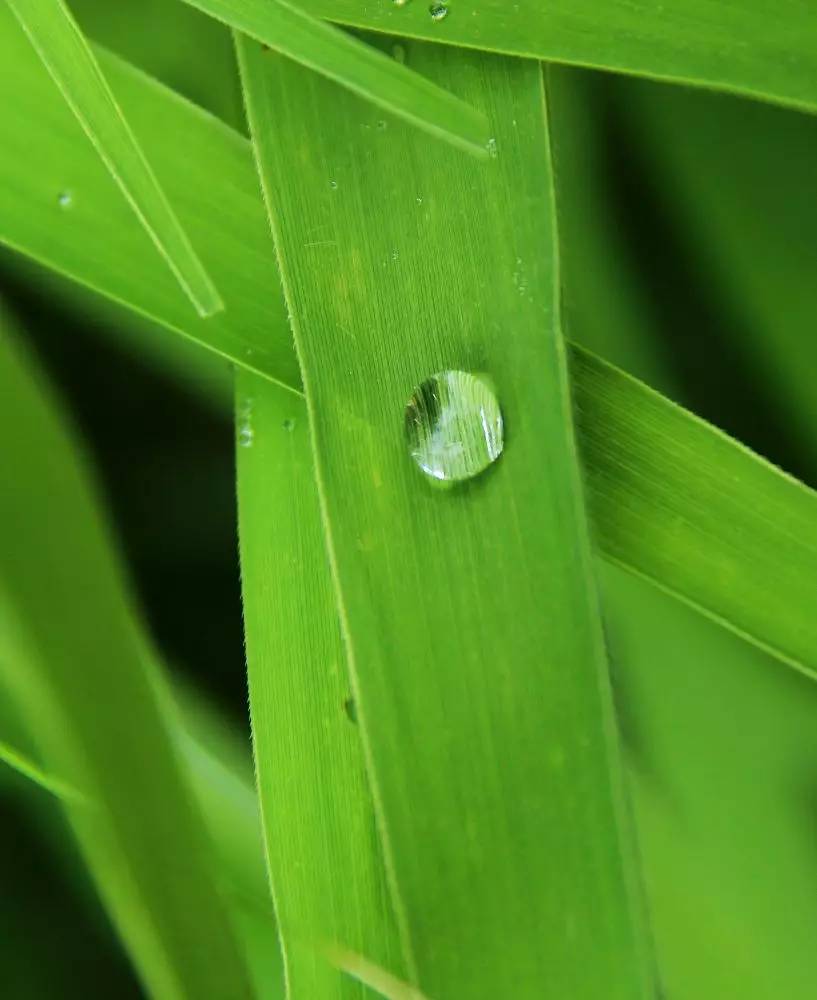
(359, 67)
(760, 48)
(70, 61)
(486, 865)
(65, 624)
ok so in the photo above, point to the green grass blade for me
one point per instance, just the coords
(326, 871)
(254, 333)
(673, 498)
(209, 177)
(229, 806)
(374, 976)
(65, 624)
(395, 292)
(29, 769)
(361, 68)
(759, 48)
(70, 61)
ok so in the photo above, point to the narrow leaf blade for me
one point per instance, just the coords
(210, 178)
(759, 48)
(70, 61)
(325, 865)
(675, 499)
(364, 70)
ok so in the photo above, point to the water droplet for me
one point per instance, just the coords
(419, 200)
(398, 51)
(395, 254)
(400, 3)
(438, 11)
(381, 126)
(453, 426)
(333, 185)
(65, 199)
(245, 431)
(289, 424)
(492, 150)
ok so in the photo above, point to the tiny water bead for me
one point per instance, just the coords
(453, 426)
(246, 433)
(438, 11)
(65, 199)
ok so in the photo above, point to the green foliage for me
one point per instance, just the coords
(63, 49)
(363, 69)
(65, 622)
(435, 755)
(761, 48)
(318, 813)
(215, 194)
(385, 297)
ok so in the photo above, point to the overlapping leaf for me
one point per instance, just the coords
(254, 334)
(361, 68)
(74, 68)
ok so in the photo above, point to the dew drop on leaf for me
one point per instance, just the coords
(65, 199)
(453, 426)
(438, 11)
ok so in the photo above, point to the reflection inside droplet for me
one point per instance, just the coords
(453, 426)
